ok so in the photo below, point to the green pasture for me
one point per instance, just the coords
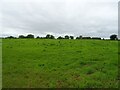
(45, 63)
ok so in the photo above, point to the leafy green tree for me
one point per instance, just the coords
(77, 38)
(71, 37)
(113, 37)
(30, 36)
(52, 37)
(48, 36)
(22, 36)
(60, 37)
(37, 37)
(97, 38)
(86, 37)
(80, 37)
(11, 37)
(67, 37)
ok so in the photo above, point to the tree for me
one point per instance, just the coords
(113, 37)
(21, 36)
(30, 36)
(86, 37)
(52, 37)
(77, 38)
(11, 37)
(97, 38)
(48, 36)
(80, 36)
(66, 37)
(60, 37)
(71, 37)
(37, 37)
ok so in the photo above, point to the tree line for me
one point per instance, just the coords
(48, 36)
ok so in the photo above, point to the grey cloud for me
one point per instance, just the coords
(59, 18)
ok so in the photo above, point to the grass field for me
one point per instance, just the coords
(0, 63)
(59, 63)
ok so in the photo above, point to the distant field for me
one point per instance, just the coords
(60, 63)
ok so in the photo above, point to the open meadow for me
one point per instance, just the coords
(45, 63)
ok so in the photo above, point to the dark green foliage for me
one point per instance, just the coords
(48, 36)
(77, 38)
(11, 37)
(67, 37)
(96, 38)
(80, 37)
(30, 36)
(60, 37)
(22, 36)
(71, 37)
(113, 37)
(86, 37)
(37, 37)
(52, 37)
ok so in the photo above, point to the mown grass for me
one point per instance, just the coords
(60, 63)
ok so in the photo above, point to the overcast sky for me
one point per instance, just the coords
(59, 17)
